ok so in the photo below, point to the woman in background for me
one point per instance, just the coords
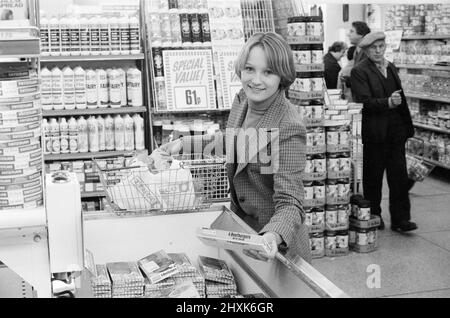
(332, 67)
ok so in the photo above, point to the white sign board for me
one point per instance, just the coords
(14, 13)
(189, 79)
(230, 82)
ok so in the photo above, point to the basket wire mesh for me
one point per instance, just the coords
(191, 186)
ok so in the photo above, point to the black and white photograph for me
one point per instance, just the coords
(133, 133)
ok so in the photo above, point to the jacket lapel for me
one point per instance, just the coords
(270, 119)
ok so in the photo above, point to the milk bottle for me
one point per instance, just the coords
(80, 87)
(129, 132)
(101, 134)
(54, 133)
(115, 89)
(57, 89)
(47, 137)
(119, 133)
(123, 87)
(134, 87)
(46, 89)
(93, 134)
(109, 133)
(85, 37)
(83, 139)
(139, 132)
(69, 88)
(55, 36)
(91, 89)
(64, 133)
(102, 84)
(135, 35)
(73, 135)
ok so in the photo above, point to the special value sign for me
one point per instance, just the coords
(231, 84)
(189, 79)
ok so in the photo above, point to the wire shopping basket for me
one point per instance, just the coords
(183, 187)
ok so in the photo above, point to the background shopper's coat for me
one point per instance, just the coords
(367, 88)
(271, 202)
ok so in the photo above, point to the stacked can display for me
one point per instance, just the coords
(90, 35)
(363, 233)
(20, 144)
(175, 25)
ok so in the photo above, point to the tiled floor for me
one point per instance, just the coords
(413, 265)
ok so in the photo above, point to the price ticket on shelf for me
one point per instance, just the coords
(189, 79)
(233, 240)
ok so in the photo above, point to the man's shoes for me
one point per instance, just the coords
(404, 226)
(381, 226)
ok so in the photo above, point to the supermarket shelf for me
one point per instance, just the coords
(86, 155)
(80, 58)
(432, 98)
(16, 48)
(426, 37)
(434, 162)
(433, 128)
(206, 111)
(93, 194)
(424, 67)
(95, 111)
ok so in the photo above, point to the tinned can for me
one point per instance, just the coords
(317, 54)
(309, 190)
(330, 240)
(314, 26)
(344, 136)
(363, 210)
(342, 239)
(309, 165)
(320, 164)
(303, 54)
(362, 237)
(317, 82)
(318, 216)
(332, 163)
(343, 214)
(319, 190)
(317, 111)
(320, 136)
(352, 236)
(310, 137)
(371, 236)
(332, 136)
(309, 217)
(317, 242)
(304, 84)
(344, 162)
(332, 189)
(158, 62)
(343, 188)
(331, 215)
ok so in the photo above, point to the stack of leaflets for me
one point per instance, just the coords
(127, 280)
(187, 271)
(161, 289)
(219, 278)
(158, 266)
(101, 284)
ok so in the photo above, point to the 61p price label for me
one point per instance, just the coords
(191, 97)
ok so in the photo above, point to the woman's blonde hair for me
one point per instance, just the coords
(279, 56)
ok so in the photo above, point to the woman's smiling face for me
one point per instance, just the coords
(258, 80)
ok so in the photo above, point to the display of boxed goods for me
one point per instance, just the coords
(430, 146)
(101, 284)
(162, 289)
(127, 280)
(336, 243)
(363, 226)
(184, 289)
(219, 278)
(158, 266)
(20, 145)
(198, 281)
(233, 240)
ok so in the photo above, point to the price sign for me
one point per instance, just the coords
(231, 84)
(393, 40)
(189, 79)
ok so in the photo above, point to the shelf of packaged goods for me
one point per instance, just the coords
(426, 37)
(434, 162)
(431, 98)
(87, 155)
(433, 128)
(206, 111)
(424, 67)
(81, 58)
(95, 111)
(94, 194)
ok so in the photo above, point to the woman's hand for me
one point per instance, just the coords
(274, 239)
(172, 148)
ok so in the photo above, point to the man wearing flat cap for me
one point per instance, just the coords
(386, 126)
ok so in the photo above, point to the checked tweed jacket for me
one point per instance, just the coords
(270, 202)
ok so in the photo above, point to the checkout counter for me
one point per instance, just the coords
(113, 238)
